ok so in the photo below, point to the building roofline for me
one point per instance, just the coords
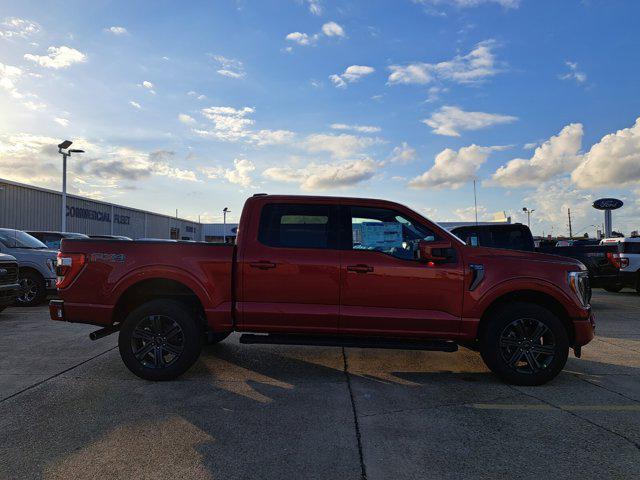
(110, 204)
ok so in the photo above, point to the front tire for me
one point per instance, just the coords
(525, 344)
(32, 289)
(160, 340)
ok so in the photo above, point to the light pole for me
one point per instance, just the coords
(529, 212)
(65, 146)
(225, 210)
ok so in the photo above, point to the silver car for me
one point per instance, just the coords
(37, 265)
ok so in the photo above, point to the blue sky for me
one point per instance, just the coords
(197, 105)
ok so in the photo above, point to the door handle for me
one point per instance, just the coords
(263, 265)
(360, 268)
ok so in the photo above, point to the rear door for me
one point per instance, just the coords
(386, 290)
(290, 269)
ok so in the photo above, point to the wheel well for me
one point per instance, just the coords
(529, 296)
(153, 288)
(30, 270)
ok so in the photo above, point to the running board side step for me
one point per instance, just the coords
(350, 341)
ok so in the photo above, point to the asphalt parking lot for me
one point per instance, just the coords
(70, 409)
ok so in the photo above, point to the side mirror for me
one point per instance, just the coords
(434, 251)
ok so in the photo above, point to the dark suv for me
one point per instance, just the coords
(9, 286)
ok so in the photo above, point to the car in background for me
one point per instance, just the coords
(110, 237)
(581, 242)
(36, 265)
(603, 272)
(627, 259)
(52, 239)
(512, 236)
(9, 286)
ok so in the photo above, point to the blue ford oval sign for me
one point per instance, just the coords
(607, 204)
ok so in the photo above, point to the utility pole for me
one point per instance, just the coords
(65, 146)
(475, 200)
(528, 212)
(225, 210)
(570, 229)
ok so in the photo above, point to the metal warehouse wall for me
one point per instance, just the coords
(29, 208)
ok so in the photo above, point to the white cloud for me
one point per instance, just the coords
(478, 64)
(271, 137)
(558, 155)
(229, 67)
(355, 128)
(573, 73)
(332, 29)
(240, 174)
(61, 121)
(233, 125)
(612, 162)
(352, 74)
(338, 146)
(117, 30)
(325, 176)
(315, 7)
(552, 199)
(299, 38)
(414, 73)
(34, 159)
(135, 104)
(450, 120)
(14, 27)
(58, 57)
(452, 169)
(469, 3)
(468, 214)
(196, 95)
(186, 119)
(403, 153)
(8, 76)
(147, 84)
(329, 29)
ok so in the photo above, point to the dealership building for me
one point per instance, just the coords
(25, 207)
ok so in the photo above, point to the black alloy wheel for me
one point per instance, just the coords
(527, 346)
(161, 339)
(157, 341)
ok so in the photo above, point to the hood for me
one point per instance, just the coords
(7, 258)
(528, 258)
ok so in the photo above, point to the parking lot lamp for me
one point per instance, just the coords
(529, 212)
(225, 210)
(61, 147)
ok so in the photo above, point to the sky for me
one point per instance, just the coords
(197, 105)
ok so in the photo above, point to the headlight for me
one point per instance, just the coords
(579, 283)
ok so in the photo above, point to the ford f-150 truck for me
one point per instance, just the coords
(328, 271)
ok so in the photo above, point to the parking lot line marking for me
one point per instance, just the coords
(56, 375)
(507, 406)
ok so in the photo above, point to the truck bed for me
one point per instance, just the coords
(113, 266)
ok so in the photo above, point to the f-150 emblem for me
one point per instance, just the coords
(108, 257)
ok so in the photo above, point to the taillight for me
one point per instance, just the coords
(617, 261)
(68, 266)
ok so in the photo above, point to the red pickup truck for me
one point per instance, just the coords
(328, 271)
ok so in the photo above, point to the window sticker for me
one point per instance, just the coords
(380, 235)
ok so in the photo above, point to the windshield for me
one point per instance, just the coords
(18, 239)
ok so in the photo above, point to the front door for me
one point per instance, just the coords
(386, 289)
(290, 279)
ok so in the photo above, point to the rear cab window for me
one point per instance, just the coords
(299, 226)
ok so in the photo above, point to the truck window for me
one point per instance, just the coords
(629, 247)
(387, 231)
(297, 226)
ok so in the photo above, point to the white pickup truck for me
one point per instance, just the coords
(627, 260)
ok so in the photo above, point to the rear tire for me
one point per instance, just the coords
(32, 289)
(160, 340)
(614, 289)
(525, 344)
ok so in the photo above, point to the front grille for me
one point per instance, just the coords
(8, 273)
